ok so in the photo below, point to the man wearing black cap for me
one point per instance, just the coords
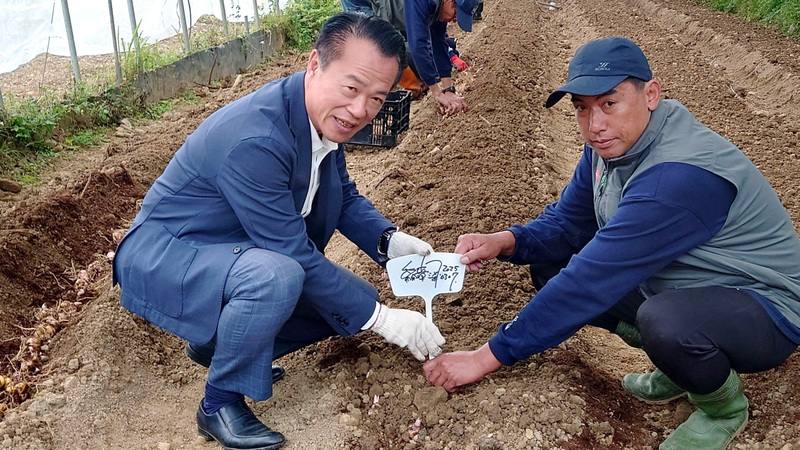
(668, 236)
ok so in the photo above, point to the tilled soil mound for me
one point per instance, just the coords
(112, 381)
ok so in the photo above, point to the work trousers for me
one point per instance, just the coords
(263, 317)
(697, 335)
(359, 6)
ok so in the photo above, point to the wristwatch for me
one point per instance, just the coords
(451, 88)
(383, 241)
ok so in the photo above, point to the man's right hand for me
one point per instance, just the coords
(451, 370)
(410, 329)
(477, 248)
(450, 102)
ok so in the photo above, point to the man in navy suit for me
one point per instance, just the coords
(227, 250)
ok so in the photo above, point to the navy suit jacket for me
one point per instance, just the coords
(238, 182)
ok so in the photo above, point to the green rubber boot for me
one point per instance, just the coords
(720, 416)
(629, 334)
(653, 387)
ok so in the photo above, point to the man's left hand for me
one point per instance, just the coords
(451, 370)
(459, 63)
(402, 244)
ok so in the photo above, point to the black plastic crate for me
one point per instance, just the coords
(389, 123)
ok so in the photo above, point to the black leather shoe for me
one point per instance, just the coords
(235, 427)
(202, 355)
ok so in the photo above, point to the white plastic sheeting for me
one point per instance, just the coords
(25, 25)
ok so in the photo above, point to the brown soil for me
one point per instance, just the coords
(112, 381)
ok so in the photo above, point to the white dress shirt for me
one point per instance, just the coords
(320, 147)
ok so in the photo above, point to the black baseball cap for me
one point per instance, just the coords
(600, 65)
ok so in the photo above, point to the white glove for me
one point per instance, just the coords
(402, 244)
(410, 329)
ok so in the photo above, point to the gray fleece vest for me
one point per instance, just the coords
(757, 247)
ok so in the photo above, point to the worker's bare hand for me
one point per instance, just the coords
(477, 248)
(451, 370)
(451, 103)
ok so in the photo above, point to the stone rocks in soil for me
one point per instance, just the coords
(376, 390)
(490, 443)
(10, 186)
(74, 364)
(352, 418)
(427, 398)
(550, 415)
(601, 428)
(430, 403)
(375, 360)
(125, 129)
(362, 366)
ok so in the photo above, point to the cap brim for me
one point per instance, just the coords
(464, 20)
(585, 86)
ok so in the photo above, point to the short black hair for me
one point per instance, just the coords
(335, 32)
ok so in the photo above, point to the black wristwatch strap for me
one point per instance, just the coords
(451, 88)
(383, 241)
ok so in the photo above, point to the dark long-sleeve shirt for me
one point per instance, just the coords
(664, 212)
(427, 40)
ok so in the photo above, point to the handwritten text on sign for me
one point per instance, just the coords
(426, 276)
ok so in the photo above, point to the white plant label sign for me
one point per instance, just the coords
(426, 276)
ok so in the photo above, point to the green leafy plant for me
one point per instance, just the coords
(148, 57)
(205, 39)
(28, 125)
(785, 14)
(158, 109)
(788, 17)
(32, 127)
(305, 18)
(86, 138)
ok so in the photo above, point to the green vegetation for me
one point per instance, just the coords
(85, 138)
(28, 125)
(785, 14)
(151, 57)
(209, 38)
(37, 130)
(302, 20)
(34, 128)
